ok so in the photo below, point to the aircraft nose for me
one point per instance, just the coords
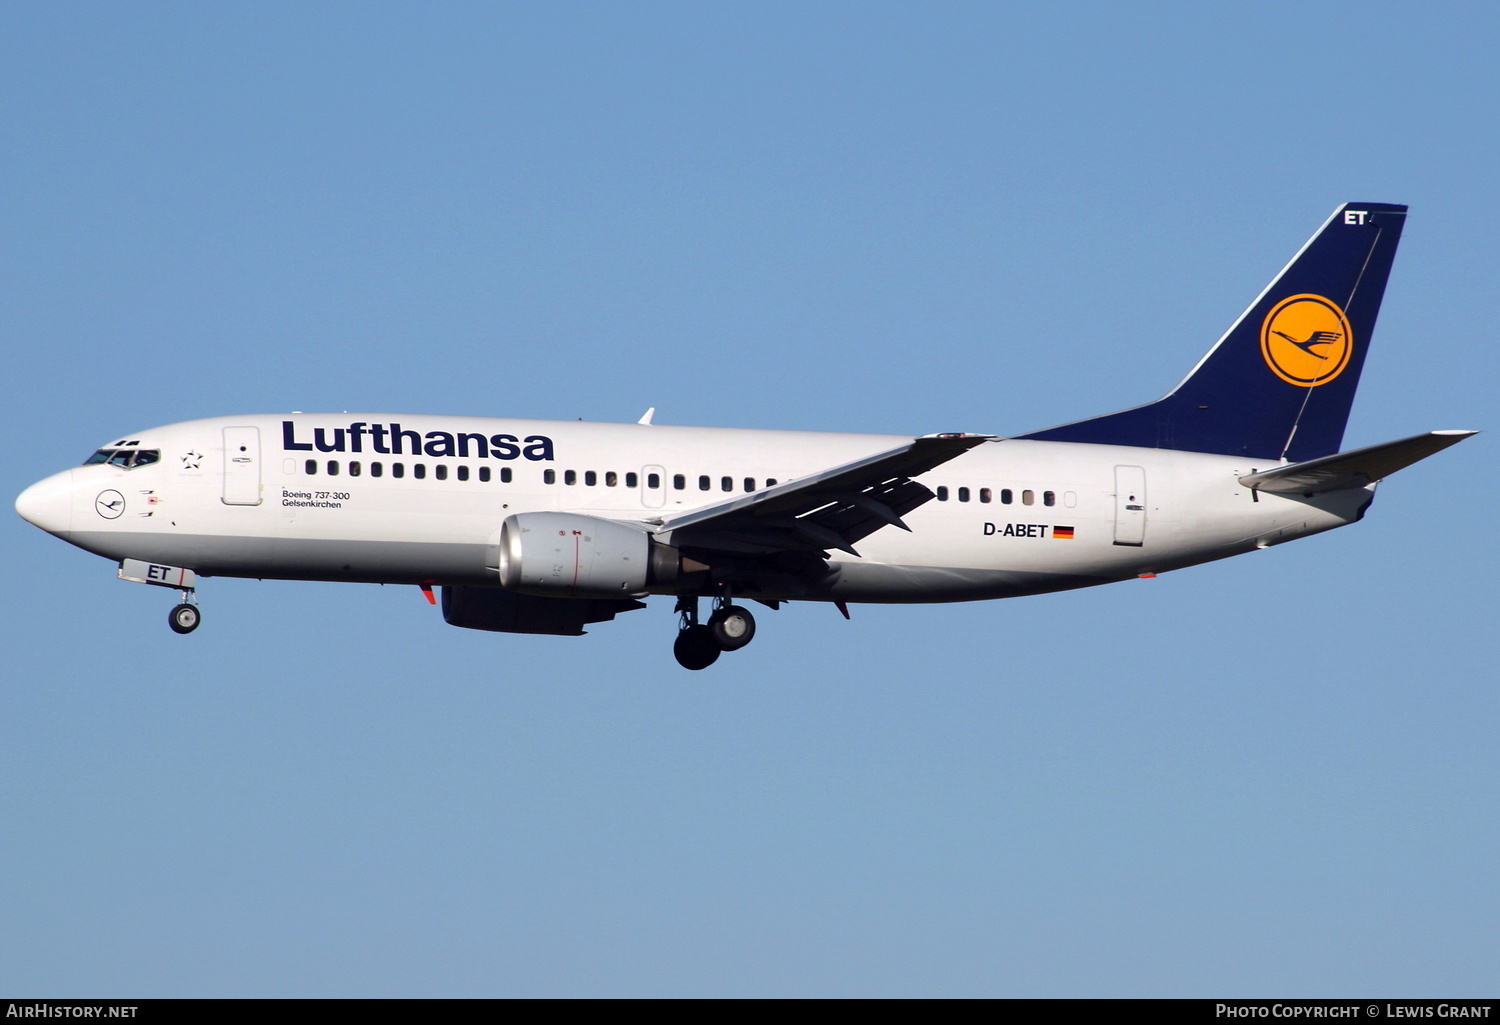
(49, 503)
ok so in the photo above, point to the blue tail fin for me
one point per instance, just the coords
(1281, 381)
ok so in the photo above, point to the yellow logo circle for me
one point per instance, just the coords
(1306, 340)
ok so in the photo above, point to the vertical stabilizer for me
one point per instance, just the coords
(1281, 381)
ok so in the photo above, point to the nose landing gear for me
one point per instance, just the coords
(699, 645)
(185, 617)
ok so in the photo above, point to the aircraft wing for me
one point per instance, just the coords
(1353, 469)
(833, 508)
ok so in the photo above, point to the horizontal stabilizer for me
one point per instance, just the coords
(1353, 469)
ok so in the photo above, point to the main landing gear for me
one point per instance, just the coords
(699, 645)
(185, 616)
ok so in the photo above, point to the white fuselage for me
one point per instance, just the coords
(228, 496)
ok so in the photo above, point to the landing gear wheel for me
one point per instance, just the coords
(733, 627)
(184, 618)
(696, 648)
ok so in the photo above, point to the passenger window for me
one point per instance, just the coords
(984, 495)
(1028, 498)
(963, 494)
(354, 467)
(311, 466)
(770, 482)
(419, 470)
(398, 470)
(726, 484)
(942, 494)
(376, 469)
(1049, 498)
(704, 483)
(333, 467)
(679, 482)
(549, 476)
(653, 481)
(749, 483)
(1007, 496)
(611, 479)
(570, 477)
(463, 473)
(484, 474)
(590, 479)
(440, 471)
(505, 475)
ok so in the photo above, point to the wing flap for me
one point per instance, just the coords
(1356, 468)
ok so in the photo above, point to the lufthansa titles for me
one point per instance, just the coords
(393, 440)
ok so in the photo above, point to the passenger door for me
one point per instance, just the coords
(1130, 506)
(242, 466)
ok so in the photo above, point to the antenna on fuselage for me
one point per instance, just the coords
(646, 417)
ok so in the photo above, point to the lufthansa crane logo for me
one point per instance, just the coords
(109, 504)
(1306, 340)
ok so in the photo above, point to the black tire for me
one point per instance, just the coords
(184, 618)
(733, 627)
(695, 648)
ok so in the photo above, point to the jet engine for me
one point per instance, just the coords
(571, 556)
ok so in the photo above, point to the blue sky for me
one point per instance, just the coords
(1273, 775)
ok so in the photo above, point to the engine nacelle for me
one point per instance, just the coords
(572, 556)
(494, 608)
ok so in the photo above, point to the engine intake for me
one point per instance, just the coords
(572, 556)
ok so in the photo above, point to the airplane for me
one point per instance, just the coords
(545, 527)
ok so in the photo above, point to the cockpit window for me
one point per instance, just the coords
(125, 458)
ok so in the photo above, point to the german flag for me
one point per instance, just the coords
(1062, 533)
